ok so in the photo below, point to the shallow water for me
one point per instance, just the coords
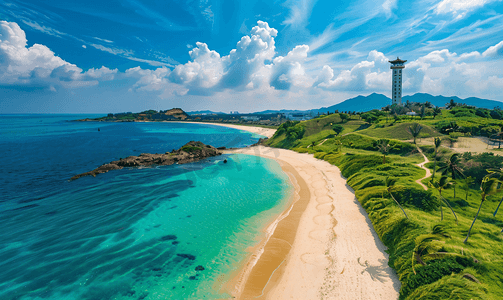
(131, 233)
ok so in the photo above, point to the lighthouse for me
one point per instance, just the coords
(396, 80)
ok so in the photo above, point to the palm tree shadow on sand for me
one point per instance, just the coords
(377, 272)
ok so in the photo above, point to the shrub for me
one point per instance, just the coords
(418, 197)
(429, 274)
(496, 114)
(449, 287)
(295, 132)
(350, 164)
(482, 112)
(461, 114)
(476, 165)
(190, 149)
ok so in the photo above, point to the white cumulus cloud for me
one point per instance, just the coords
(494, 51)
(38, 65)
(208, 71)
(460, 8)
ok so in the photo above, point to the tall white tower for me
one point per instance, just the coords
(396, 84)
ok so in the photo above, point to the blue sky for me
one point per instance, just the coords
(111, 56)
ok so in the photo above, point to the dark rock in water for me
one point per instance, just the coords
(192, 278)
(190, 152)
(156, 269)
(169, 237)
(187, 256)
(175, 243)
(199, 268)
(225, 161)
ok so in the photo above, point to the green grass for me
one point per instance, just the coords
(321, 123)
(443, 276)
(399, 131)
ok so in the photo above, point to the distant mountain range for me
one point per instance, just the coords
(377, 101)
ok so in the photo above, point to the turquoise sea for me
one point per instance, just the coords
(133, 233)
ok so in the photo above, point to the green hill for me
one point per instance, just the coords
(399, 131)
(426, 250)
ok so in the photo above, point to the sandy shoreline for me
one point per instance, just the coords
(267, 132)
(334, 253)
(324, 248)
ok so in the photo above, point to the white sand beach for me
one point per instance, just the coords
(325, 249)
(268, 132)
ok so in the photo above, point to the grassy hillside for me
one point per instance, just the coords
(428, 253)
(398, 131)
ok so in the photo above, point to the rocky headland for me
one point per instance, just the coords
(190, 152)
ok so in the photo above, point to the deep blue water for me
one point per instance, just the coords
(131, 233)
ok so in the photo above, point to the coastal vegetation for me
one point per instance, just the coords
(436, 256)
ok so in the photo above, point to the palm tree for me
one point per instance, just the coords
(436, 111)
(453, 127)
(487, 188)
(429, 246)
(442, 184)
(466, 185)
(437, 142)
(389, 184)
(383, 147)
(422, 111)
(498, 174)
(338, 145)
(451, 166)
(414, 130)
(498, 137)
(451, 104)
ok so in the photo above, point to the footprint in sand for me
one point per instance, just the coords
(325, 208)
(320, 235)
(323, 220)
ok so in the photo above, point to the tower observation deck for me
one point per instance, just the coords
(396, 80)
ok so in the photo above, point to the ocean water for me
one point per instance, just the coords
(135, 233)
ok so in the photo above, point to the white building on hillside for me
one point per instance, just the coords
(397, 66)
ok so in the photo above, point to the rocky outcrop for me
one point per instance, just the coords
(177, 113)
(190, 152)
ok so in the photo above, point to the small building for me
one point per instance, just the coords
(250, 118)
(298, 116)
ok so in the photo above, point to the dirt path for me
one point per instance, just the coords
(322, 142)
(319, 143)
(421, 165)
